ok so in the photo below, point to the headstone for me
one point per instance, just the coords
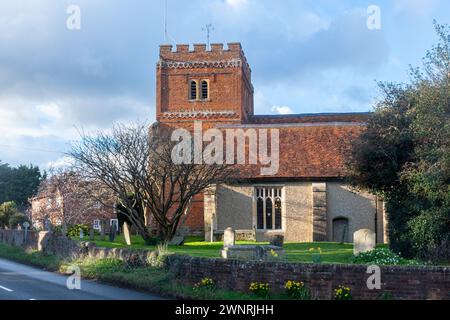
(260, 253)
(277, 240)
(112, 231)
(364, 240)
(177, 241)
(81, 234)
(229, 237)
(102, 230)
(92, 234)
(126, 234)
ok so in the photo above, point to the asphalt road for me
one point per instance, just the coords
(20, 282)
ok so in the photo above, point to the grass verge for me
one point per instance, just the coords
(112, 271)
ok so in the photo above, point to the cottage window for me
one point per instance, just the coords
(269, 208)
(96, 225)
(193, 90)
(205, 90)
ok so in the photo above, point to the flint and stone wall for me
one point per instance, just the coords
(309, 210)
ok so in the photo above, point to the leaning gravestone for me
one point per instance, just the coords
(112, 232)
(126, 234)
(364, 240)
(229, 238)
(177, 241)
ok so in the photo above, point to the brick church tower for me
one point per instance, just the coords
(213, 86)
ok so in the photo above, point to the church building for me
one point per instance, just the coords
(307, 199)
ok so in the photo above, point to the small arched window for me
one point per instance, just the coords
(205, 90)
(193, 90)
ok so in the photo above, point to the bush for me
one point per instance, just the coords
(343, 293)
(261, 290)
(381, 256)
(205, 287)
(316, 255)
(74, 231)
(430, 235)
(7, 210)
(297, 290)
(17, 219)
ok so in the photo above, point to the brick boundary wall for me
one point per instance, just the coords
(400, 282)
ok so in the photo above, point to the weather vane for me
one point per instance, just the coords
(208, 28)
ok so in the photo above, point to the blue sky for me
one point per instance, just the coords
(306, 56)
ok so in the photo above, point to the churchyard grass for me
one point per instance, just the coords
(195, 246)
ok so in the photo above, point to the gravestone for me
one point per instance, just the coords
(81, 234)
(277, 240)
(260, 253)
(177, 241)
(126, 234)
(364, 240)
(102, 230)
(112, 231)
(229, 238)
(92, 234)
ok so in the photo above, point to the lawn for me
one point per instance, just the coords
(195, 246)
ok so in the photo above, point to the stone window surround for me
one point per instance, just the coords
(198, 84)
(283, 208)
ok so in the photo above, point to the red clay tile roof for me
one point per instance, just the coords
(309, 118)
(311, 146)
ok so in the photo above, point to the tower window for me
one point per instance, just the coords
(205, 90)
(193, 90)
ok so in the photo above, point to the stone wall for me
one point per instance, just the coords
(407, 283)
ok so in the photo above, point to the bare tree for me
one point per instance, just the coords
(136, 164)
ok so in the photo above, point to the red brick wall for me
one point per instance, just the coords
(411, 283)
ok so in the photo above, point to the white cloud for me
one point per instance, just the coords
(282, 110)
(236, 4)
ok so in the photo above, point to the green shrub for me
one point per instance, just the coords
(74, 231)
(17, 219)
(381, 256)
(205, 287)
(343, 293)
(297, 290)
(261, 290)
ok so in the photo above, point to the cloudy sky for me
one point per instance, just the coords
(307, 56)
